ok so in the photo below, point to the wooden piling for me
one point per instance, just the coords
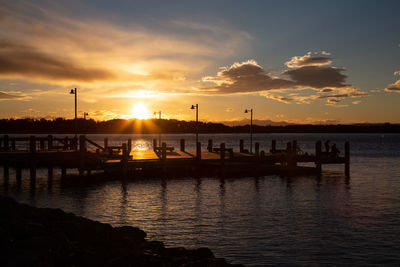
(257, 149)
(222, 152)
(105, 144)
(210, 145)
(50, 171)
(41, 144)
(164, 151)
(198, 151)
(32, 144)
(289, 147)
(13, 144)
(32, 163)
(6, 171)
(32, 170)
(294, 146)
(18, 174)
(125, 155)
(182, 145)
(318, 155)
(6, 143)
(241, 146)
(155, 144)
(82, 154)
(273, 146)
(49, 142)
(63, 172)
(347, 159)
(66, 143)
(129, 145)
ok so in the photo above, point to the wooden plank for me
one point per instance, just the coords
(143, 154)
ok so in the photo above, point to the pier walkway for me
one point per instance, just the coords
(86, 156)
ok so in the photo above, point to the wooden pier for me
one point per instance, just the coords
(85, 155)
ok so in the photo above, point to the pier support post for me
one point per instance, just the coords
(129, 145)
(273, 146)
(32, 150)
(347, 159)
(124, 160)
(82, 154)
(18, 175)
(13, 144)
(41, 144)
(6, 171)
(318, 156)
(292, 155)
(241, 146)
(63, 172)
(105, 144)
(288, 147)
(155, 144)
(257, 149)
(66, 143)
(164, 151)
(222, 153)
(198, 151)
(210, 145)
(49, 142)
(6, 143)
(50, 171)
(182, 145)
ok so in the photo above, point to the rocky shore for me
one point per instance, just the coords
(32, 236)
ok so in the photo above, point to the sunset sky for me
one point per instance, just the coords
(294, 61)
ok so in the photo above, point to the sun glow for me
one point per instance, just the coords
(140, 111)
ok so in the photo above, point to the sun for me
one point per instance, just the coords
(140, 111)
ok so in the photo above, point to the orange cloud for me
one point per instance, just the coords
(310, 80)
(45, 45)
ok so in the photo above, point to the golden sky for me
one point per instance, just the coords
(127, 66)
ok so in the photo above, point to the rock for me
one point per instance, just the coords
(32, 236)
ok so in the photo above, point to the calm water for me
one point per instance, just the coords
(256, 221)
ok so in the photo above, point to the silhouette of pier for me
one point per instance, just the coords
(86, 156)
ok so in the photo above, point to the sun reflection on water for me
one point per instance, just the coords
(141, 145)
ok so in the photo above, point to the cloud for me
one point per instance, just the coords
(12, 96)
(394, 87)
(309, 60)
(48, 45)
(18, 60)
(310, 80)
(317, 76)
(244, 77)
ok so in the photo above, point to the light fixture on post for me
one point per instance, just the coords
(196, 107)
(85, 114)
(251, 128)
(159, 126)
(75, 92)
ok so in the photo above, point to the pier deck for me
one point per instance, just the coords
(71, 153)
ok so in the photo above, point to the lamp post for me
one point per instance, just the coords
(196, 107)
(74, 92)
(251, 128)
(159, 131)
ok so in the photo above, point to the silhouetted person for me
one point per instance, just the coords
(335, 152)
(327, 146)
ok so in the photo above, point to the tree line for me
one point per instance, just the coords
(115, 126)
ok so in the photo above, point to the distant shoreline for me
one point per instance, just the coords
(155, 126)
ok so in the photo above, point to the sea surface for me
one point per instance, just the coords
(256, 221)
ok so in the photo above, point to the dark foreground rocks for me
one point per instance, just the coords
(32, 236)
